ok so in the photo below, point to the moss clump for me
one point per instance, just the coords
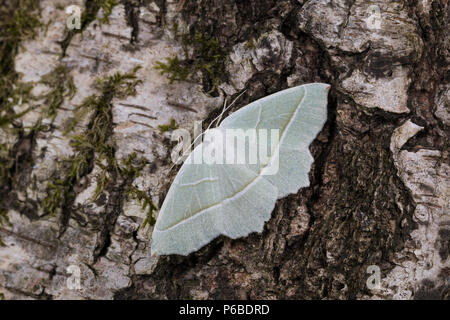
(174, 68)
(146, 202)
(107, 6)
(19, 20)
(119, 85)
(57, 192)
(20, 93)
(103, 179)
(166, 127)
(131, 169)
(3, 217)
(62, 86)
(208, 58)
(3, 220)
(132, 166)
(6, 164)
(250, 44)
(24, 21)
(94, 144)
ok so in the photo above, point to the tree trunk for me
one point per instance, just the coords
(85, 139)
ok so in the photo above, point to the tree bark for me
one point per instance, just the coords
(85, 140)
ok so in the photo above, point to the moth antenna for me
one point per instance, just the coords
(219, 117)
(216, 119)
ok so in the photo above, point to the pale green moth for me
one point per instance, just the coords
(208, 200)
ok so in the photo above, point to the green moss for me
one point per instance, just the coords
(131, 169)
(6, 163)
(56, 194)
(174, 28)
(95, 143)
(62, 86)
(20, 94)
(174, 68)
(24, 25)
(79, 164)
(146, 202)
(208, 58)
(3, 220)
(19, 24)
(132, 166)
(80, 112)
(60, 6)
(19, 20)
(24, 22)
(119, 85)
(4, 217)
(166, 127)
(250, 44)
(103, 179)
(107, 6)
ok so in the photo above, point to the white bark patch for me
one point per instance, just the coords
(389, 94)
(401, 135)
(428, 180)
